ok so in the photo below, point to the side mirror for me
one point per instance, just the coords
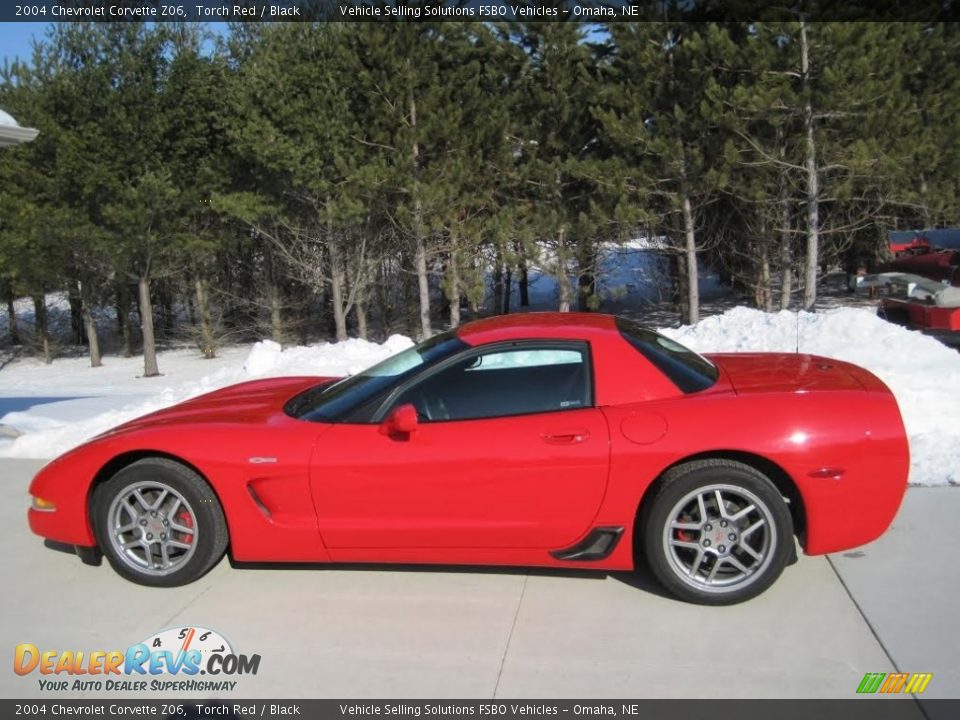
(401, 421)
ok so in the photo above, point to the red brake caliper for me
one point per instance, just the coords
(186, 520)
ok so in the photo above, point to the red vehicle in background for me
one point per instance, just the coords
(920, 289)
(917, 244)
(940, 265)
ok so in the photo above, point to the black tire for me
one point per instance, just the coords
(682, 558)
(194, 534)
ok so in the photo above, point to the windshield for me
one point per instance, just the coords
(689, 371)
(356, 398)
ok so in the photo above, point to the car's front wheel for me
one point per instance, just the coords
(159, 523)
(717, 532)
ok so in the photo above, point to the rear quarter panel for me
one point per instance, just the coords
(860, 433)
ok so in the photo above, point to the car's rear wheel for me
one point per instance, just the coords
(717, 532)
(159, 523)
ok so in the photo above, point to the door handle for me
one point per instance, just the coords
(566, 437)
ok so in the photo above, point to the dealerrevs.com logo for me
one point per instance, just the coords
(171, 661)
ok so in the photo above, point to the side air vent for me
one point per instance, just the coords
(597, 545)
(258, 502)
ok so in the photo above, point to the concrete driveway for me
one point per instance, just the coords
(414, 633)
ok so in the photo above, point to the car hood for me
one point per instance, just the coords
(249, 402)
(788, 372)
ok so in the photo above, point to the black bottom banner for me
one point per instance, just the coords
(853, 709)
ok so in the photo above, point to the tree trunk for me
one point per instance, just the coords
(383, 296)
(586, 276)
(274, 299)
(813, 182)
(337, 283)
(276, 316)
(207, 344)
(420, 256)
(497, 289)
(453, 293)
(123, 321)
(43, 330)
(423, 287)
(925, 202)
(76, 313)
(681, 298)
(563, 280)
(90, 327)
(12, 321)
(690, 256)
(523, 283)
(507, 285)
(764, 295)
(786, 280)
(786, 252)
(362, 329)
(150, 368)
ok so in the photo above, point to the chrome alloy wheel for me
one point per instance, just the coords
(152, 528)
(720, 538)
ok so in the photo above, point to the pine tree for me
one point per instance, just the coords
(665, 133)
(557, 144)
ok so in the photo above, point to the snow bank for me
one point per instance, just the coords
(922, 373)
(267, 359)
(49, 429)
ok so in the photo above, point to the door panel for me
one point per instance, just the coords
(530, 481)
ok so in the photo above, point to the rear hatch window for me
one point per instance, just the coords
(689, 371)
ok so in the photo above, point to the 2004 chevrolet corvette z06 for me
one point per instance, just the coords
(559, 440)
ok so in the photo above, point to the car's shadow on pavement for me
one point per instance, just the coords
(641, 579)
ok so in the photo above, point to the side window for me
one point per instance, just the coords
(505, 381)
(524, 359)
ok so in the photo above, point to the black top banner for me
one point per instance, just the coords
(581, 11)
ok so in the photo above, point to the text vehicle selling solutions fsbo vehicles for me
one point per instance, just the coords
(543, 439)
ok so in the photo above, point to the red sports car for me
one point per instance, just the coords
(558, 440)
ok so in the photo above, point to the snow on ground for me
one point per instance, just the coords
(58, 406)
